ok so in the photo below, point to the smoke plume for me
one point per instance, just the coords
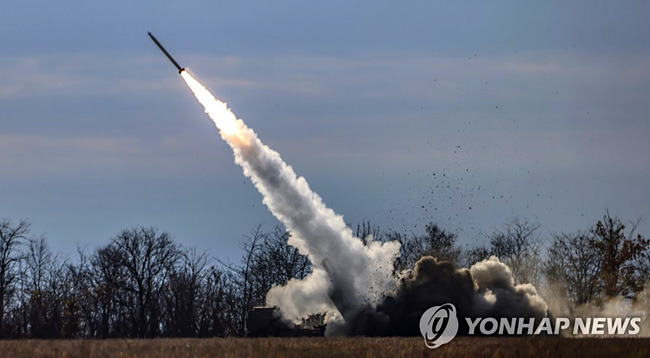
(345, 268)
(354, 283)
(486, 289)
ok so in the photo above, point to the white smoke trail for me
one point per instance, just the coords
(345, 269)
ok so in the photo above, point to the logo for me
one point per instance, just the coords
(439, 325)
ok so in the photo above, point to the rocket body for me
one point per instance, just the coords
(178, 67)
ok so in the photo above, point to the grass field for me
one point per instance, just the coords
(329, 347)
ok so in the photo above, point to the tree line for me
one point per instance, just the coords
(143, 284)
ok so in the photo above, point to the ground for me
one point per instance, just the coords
(329, 347)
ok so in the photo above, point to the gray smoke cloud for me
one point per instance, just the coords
(486, 289)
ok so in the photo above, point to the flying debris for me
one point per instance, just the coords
(180, 69)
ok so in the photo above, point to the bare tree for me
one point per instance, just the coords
(576, 265)
(43, 289)
(280, 261)
(365, 231)
(78, 308)
(220, 305)
(10, 237)
(181, 294)
(435, 242)
(104, 295)
(518, 245)
(477, 254)
(251, 295)
(144, 259)
(267, 260)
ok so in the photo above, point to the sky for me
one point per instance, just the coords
(466, 114)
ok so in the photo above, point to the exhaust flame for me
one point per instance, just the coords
(345, 270)
(222, 117)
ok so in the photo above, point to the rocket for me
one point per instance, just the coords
(180, 69)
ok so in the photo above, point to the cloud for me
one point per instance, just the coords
(562, 115)
(95, 75)
(82, 157)
(43, 155)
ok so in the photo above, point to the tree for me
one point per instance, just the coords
(618, 251)
(104, 296)
(144, 259)
(10, 237)
(474, 255)
(181, 294)
(278, 261)
(643, 267)
(365, 231)
(219, 306)
(78, 308)
(435, 242)
(43, 290)
(267, 260)
(574, 263)
(518, 246)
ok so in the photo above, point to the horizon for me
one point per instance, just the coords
(461, 115)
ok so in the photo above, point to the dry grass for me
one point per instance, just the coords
(328, 347)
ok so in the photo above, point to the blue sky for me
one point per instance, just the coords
(462, 113)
